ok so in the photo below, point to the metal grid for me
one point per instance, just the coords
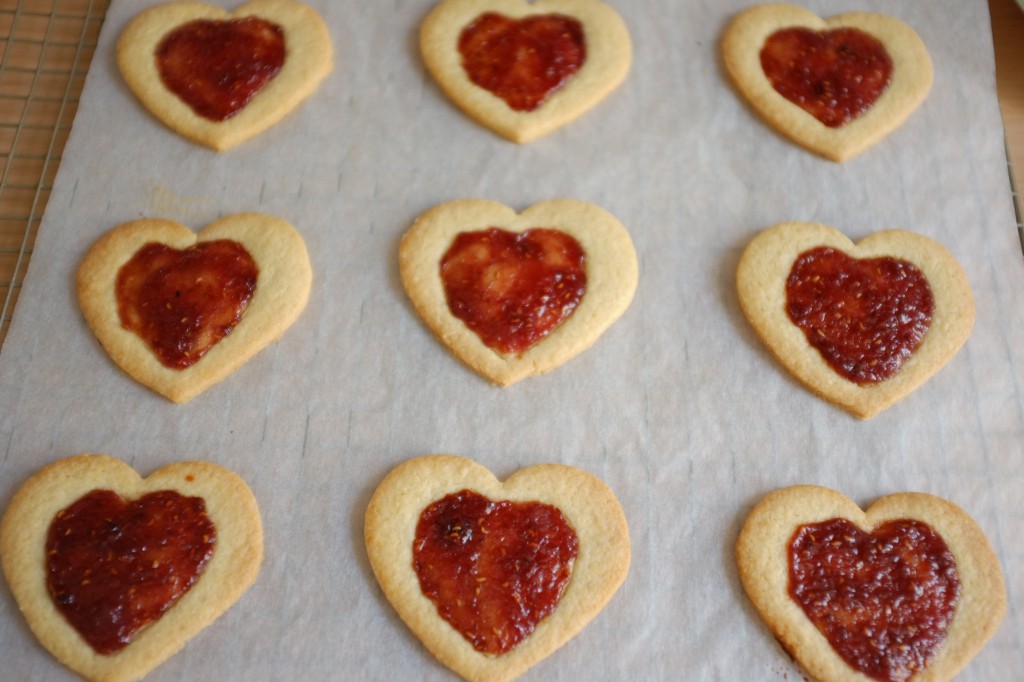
(1016, 200)
(46, 47)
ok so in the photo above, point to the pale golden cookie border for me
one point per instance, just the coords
(588, 504)
(233, 567)
(308, 60)
(611, 267)
(762, 560)
(608, 59)
(760, 284)
(282, 291)
(911, 80)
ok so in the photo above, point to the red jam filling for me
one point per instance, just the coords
(865, 317)
(833, 75)
(182, 302)
(524, 61)
(112, 566)
(216, 67)
(493, 569)
(513, 289)
(884, 600)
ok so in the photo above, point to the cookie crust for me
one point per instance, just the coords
(231, 570)
(282, 290)
(308, 60)
(761, 286)
(609, 54)
(762, 559)
(909, 85)
(611, 267)
(589, 506)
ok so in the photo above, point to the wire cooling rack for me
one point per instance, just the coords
(1016, 201)
(46, 47)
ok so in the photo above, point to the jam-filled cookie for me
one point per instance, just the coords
(861, 325)
(909, 589)
(516, 295)
(217, 77)
(835, 86)
(115, 573)
(179, 311)
(493, 576)
(523, 68)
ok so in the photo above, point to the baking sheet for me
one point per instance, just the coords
(677, 407)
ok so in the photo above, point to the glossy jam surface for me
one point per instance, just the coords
(833, 75)
(522, 61)
(513, 289)
(182, 302)
(884, 599)
(866, 317)
(216, 67)
(493, 569)
(113, 566)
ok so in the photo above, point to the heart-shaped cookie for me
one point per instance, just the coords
(909, 587)
(524, 298)
(219, 78)
(227, 292)
(453, 548)
(835, 86)
(113, 594)
(861, 325)
(523, 69)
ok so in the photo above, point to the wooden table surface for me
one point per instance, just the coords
(45, 50)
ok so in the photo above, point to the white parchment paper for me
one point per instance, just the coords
(677, 407)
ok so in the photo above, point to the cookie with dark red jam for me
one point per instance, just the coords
(908, 587)
(491, 575)
(113, 572)
(835, 86)
(179, 311)
(513, 289)
(524, 69)
(217, 77)
(862, 325)
(515, 295)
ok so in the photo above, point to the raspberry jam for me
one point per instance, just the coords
(182, 302)
(525, 61)
(216, 67)
(884, 599)
(513, 289)
(833, 75)
(113, 567)
(493, 569)
(865, 317)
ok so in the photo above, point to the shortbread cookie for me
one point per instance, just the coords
(524, 69)
(179, 311)
(219, 78)
(436, 528)
(115, 573)
(835, 86)
(516, 295)
(910, 588)
(861, 325)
